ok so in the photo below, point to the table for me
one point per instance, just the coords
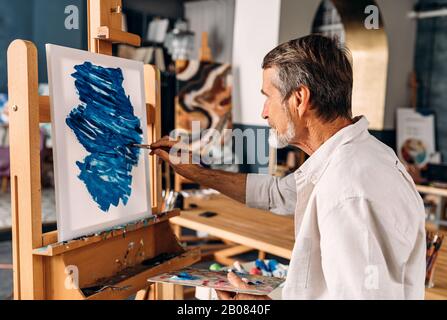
(235, 222)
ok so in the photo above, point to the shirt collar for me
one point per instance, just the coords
(315, 166)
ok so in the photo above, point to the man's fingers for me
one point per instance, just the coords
(161, 154)
(224, 295)
(237, 282)
(243, 296)
(165, 142)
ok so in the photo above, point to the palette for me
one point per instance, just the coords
(218, 280)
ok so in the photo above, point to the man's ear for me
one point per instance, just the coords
(302, 100)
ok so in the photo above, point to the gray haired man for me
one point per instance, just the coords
(359, 221)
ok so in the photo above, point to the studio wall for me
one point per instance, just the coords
(287, 19)
(431, 68)
(39, 21)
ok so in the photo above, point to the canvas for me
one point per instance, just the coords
(218, 280)
(98, 113)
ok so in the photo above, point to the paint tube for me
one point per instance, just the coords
(239, 267)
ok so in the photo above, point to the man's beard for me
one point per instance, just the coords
(280, 141)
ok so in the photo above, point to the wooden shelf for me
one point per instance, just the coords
(113, 265)
(132, 284)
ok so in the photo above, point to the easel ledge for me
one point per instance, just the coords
(54, 249)
(110, 265)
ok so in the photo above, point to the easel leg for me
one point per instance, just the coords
(177, 231)
(143, 294)
(163, 291)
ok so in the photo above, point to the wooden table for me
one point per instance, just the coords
(235, 222)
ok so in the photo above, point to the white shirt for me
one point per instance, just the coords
(359, 221)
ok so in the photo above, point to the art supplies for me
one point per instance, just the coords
(218, 280)
(269, 268)
(239, 268)
(255, 271)
(434, 243)
(215, 267)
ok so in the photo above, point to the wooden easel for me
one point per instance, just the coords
(111, 265)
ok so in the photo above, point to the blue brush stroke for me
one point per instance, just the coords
(105, 124)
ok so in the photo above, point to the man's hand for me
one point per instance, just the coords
(238, 283)
(230, 184)
(183, 167)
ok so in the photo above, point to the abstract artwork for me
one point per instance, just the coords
(98, 115)
(218, 280)
(205, 97)
(105, 125)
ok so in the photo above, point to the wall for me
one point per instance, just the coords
(49, 27)
(295, 20)
(162, 8)
(217, 18)
(401, 33)
(254, 36)
(15, 22)
(431, 67)
(40, 21)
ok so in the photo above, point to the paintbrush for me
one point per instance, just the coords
(148, 147)
(167, 149)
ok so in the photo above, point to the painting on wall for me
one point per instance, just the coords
(98, 114)
(415, 137)
(204, 97)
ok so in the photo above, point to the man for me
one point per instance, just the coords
(360, 229)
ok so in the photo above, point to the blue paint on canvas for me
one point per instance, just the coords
(106, 126)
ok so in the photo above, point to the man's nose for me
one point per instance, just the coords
(265, 113)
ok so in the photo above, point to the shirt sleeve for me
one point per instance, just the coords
(275, 194)
(360, 259)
